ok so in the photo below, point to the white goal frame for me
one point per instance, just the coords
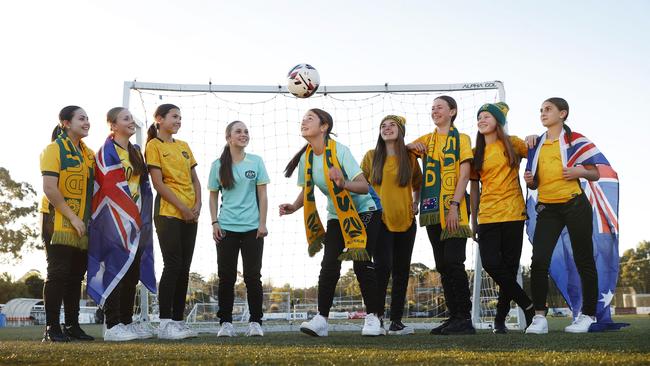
(342, 89)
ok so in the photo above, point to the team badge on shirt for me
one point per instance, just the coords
(250, 174)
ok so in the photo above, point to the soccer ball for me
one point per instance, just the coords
(303, 80)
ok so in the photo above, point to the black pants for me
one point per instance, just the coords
(500, 245)
(118, 307)
(251, 254)
(393, 256)
(66, 267)
(330, 270)
(176, 238)
(449, 255)
(576, 215)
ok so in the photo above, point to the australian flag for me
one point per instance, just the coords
(603, 196)
(119, 226)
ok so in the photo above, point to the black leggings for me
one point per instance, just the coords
(66, 266)
(176, 238)
(330, 270)
(251, 254)
(393, 256)
(500, 246)
(119, 304)
(449, 255)
(577, 216)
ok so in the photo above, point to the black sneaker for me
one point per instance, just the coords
(398, 328)
(459, 326)
(438, 330)
(500, 327)
(53, 333)
(76, 333)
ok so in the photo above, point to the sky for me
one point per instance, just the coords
(593, 53)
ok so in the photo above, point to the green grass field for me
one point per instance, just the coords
(630, 346)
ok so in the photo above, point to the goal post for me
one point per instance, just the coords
(268, 111)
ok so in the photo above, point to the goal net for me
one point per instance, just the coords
(273, 118)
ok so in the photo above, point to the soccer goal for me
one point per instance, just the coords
(273, 117)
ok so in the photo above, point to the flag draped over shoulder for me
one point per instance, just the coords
(118, 227)
(603, 196)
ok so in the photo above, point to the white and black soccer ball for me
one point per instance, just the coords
(303, 80)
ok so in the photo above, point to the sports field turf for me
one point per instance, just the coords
(630, 346)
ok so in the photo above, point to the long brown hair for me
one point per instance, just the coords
(225, 170)
(325, 118)
(135, 156)
(405, 169)
(479, 154)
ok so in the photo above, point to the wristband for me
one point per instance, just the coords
(215, 222)
(454, 203)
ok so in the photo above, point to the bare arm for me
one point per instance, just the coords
(289, 208)
(196, 209)
(416, 201)
(263, 207)
(213, 203)
(359, 185)
(169, 196)
(54, 196)
(474, 200)
(459, 194)
(588, 172)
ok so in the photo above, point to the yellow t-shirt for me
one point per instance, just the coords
(465, 146)
(501, 196)
(175, 160)
(552, 187)
(396, 201)
(51, 165)
(132, 179)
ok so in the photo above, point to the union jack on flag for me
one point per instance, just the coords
(119, 227)
(603, 196)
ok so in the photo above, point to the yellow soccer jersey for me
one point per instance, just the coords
(175, 161)
(552, 187)
(132, 179)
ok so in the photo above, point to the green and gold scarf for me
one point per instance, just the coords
(354, 232)
(76, 183)
(439, 185)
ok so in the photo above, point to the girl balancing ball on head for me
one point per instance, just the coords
(396, 177)
(446, 154)
(67, 169)
(498, 211)
(352, 219)
(173, 174)
(121, 239)
(554, 169)
(239, 224)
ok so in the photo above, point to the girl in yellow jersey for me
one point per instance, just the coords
(176, 212)
(67, 169)
(446, 155)
(396, 177)
(561, 202)
(500, 206)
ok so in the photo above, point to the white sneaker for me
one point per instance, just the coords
(372, 326)
(580, 324)
(119, 333)
(316, 327)
(226, 330)
(538, 326)
(254, 330)
(169, 330)
(183, 330)
(141, 330)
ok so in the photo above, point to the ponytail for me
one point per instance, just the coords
(225, 170)
(288, 170)
(152, 132)
(56, 132)
(136, 160)
(567, 131)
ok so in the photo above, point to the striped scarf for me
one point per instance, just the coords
(439, 185)
(354, 232)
